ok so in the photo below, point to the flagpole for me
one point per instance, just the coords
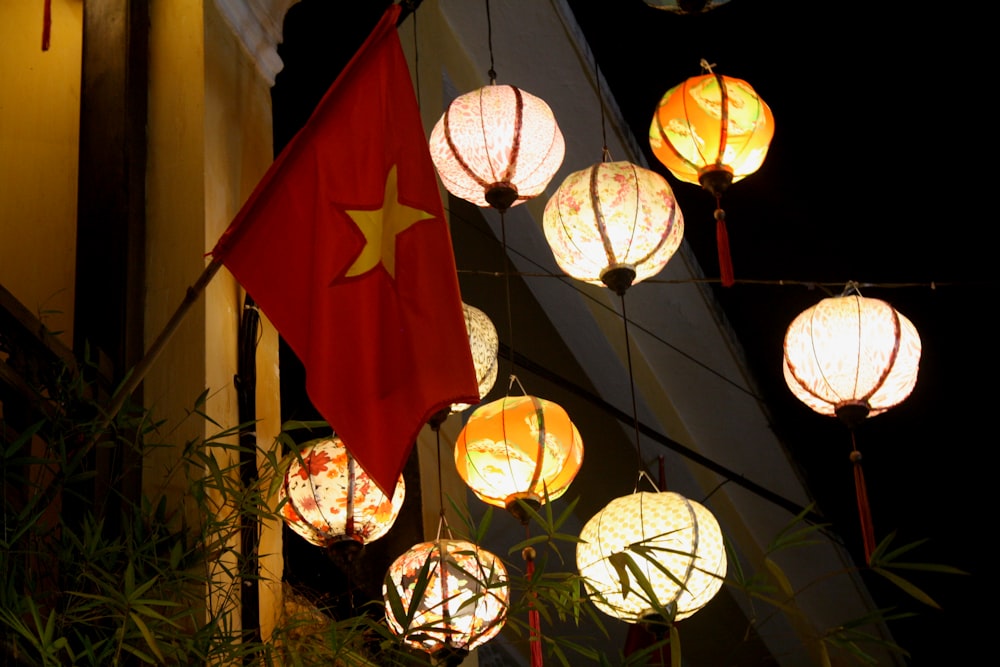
(137, 374)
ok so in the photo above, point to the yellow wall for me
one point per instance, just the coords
(39, 132)
(209, 143)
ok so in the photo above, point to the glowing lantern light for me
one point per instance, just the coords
(685, 6)
(332, 501)
(518, 448)
(613, 223)
(497, 146)
(485, 345)
(851, 356)
(712, 130)
(454, 594)
(855, 358)
(657, 531)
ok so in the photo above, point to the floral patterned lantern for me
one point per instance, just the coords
(330, 499)
(446, 597)
(518, 448)
(712, 130)
(659, 532)
(497, 146)
(851, 356)
(485, 345)
(613, 223)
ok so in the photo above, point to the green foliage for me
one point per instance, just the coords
(126, 581)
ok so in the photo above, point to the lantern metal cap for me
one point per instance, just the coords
(518, 510)
(618, 277)
(853, 413)
(501, 195)
(716, 179)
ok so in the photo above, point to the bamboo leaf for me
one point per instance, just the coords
(147, 635)
(907, 587)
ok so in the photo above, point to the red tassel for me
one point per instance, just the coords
(722, 240)
(46, 25)
(864, 511)
(534, 618)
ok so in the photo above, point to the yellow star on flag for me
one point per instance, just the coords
(381, 226)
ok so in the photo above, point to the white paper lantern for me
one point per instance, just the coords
(851, 356)
(657, 531)
(485, 346)
(497, 146)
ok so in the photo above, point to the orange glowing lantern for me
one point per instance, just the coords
(712, 130)
(331, 501)
(497, 146)
(518, 448)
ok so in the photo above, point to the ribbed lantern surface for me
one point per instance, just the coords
(711, 123)
(613, 215)
(497, 146)
(464, 598)
(664, 530)
(851, 352)
(518, 447)
(485, 345)
(331, 499)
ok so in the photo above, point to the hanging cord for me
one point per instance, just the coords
(442, 520)
(864, 509)
(631, 380)
(489, 41)
(506, 281)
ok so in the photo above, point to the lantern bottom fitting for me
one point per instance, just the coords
(715, 178)
(853, 413)
(618, 277)
(501, 195)
(515, 508)
(345, 547)
(658, 623)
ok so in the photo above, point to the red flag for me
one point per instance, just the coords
(344, 246)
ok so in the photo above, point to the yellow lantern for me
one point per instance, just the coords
(446, 597)
(659, 533)
(851, 356)
(711, 130)
(613, 223)
(332, 501)
(518, 448)
(485, 345)
(497, 146)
